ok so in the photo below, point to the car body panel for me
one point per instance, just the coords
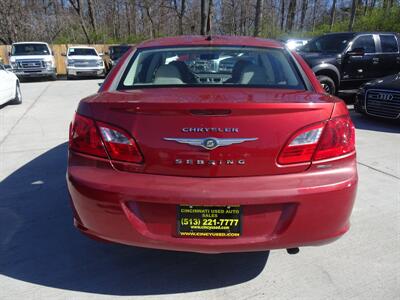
(173, 109)
(280, 211)
(8, 82)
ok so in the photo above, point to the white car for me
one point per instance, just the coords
(9, 87)
(84, 61)
(33, 59)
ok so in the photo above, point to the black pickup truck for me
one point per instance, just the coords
(344, 61)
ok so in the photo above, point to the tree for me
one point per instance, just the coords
(203, 17)
(291, 15)
(209, 16)
(258, 18)
(353, 14)
(128, 21)
(314, 15)
(92, 16)
(282, 14)
(180, 12)
(304, 7)
(77, 5)
(332, 19)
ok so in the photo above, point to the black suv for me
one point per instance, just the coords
(346, 60)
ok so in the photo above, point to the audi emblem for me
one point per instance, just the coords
(384, 96)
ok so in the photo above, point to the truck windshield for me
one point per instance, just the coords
(30, 49)
(117, 51)
(335, 43)
(81, 51)
(212, 66)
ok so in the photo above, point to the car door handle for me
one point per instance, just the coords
(375, 60)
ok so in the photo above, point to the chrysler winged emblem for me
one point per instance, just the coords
(210, 143)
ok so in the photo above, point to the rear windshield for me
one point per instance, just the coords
(211, 66)
(81, 51)
(30, 49)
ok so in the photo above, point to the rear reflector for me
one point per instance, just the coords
(324, 140)
(90, 137)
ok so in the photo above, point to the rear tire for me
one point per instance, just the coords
(53, 77)
(327, 84)
(18, 96)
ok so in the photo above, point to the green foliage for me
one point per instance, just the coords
(375, 20)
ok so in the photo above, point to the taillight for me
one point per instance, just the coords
(338, 139)
(120, 145)
(84, 137)
(324, 140)
(302, 145)
(89, 137)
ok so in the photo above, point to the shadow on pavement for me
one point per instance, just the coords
(38, 244)
(374, 124)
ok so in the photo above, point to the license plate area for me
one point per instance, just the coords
(209, 221)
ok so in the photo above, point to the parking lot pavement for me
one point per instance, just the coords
(43, 257)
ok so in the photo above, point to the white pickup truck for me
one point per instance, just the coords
(84, 61)
(32, 59)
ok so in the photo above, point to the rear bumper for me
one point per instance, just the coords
(285, 211)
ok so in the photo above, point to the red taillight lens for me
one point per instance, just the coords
(84, 137)
(338, 139)
(120, 145)
(302, 145)
(89, 137)
(325, 140)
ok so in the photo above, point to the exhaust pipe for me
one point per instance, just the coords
(292, 251)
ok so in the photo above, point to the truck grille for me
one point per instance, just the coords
(30, 64)
(383, 103)
(79, 63)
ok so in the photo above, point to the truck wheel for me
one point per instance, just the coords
(327, 84)
(53, 77)
(18, 95)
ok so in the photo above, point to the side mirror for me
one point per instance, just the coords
(101, 54)
(63, 54)
(7, 67)
(356, 52)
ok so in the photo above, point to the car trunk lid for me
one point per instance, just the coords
(210, 132)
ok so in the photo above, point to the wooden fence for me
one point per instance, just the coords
(58, 49)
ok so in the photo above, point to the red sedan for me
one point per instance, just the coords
(217, 144)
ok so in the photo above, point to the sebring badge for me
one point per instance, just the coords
(210, 143)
